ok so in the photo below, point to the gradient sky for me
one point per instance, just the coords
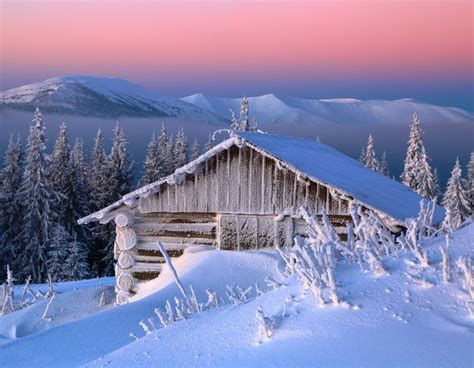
(363, 49)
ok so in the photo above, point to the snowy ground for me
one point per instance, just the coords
(389, 321)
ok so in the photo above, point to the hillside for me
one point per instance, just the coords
(272, 109)
(384, 320)
(101, 97)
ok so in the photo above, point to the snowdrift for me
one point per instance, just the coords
(387, 320)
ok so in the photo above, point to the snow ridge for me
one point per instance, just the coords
(272, 109)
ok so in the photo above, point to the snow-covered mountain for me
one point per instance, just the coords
(271, 109)
(114, 97)
(106, 97)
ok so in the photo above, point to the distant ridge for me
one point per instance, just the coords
(272, 109)
(115, 97)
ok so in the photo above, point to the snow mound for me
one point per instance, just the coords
(389, 323)
(89, 338)
(386, 321)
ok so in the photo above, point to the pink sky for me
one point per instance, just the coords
(194, 41)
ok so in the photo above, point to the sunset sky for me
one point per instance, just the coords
(362, 49)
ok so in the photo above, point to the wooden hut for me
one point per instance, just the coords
(244, 194)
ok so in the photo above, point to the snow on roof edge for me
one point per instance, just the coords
(235, 138)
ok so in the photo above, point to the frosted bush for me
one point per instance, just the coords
(313, 258)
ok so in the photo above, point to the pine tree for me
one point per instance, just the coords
(244, 115)
(36, 194)
(370, 159)
(10, 206)
(120, 180)
(455, 198)
(417, 173)
(180, 149)
(58, 245)
(120, 166)
(76, 261)
(165, 145)
(81, 190)
(63, 180)
(426, 185)
(195, 150)
(99, 195)
(209, 143)
(384, 166)
(152, 167)
(235, 124)
(470, 182)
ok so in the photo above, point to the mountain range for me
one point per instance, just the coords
(114, 97)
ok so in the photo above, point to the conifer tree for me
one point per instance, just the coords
(152, 167)
(370, 159)
(165, 151)
(57, 252)
(180, 149)
(99, 195)
(63, 180)
(470, 182)
(10, 206)
(36, 194)
(120, 180)
(244, 115)
(455, 198)
(76, 261)
(384, 166)
(235, 124)
(209, 143)
(120, 166)
(195, 150)
(426, 184)
(417, 173)
(81, 190)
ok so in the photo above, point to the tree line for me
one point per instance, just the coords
(42, 196)
(420, 177)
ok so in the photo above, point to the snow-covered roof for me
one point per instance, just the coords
(326, 165)
(309, 158)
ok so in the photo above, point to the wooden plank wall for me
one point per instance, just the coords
(242, 181)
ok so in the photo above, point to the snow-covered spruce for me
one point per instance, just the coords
(10, 205)
(369, 159)
(456, 198)
(37, 220)
(417, 173)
